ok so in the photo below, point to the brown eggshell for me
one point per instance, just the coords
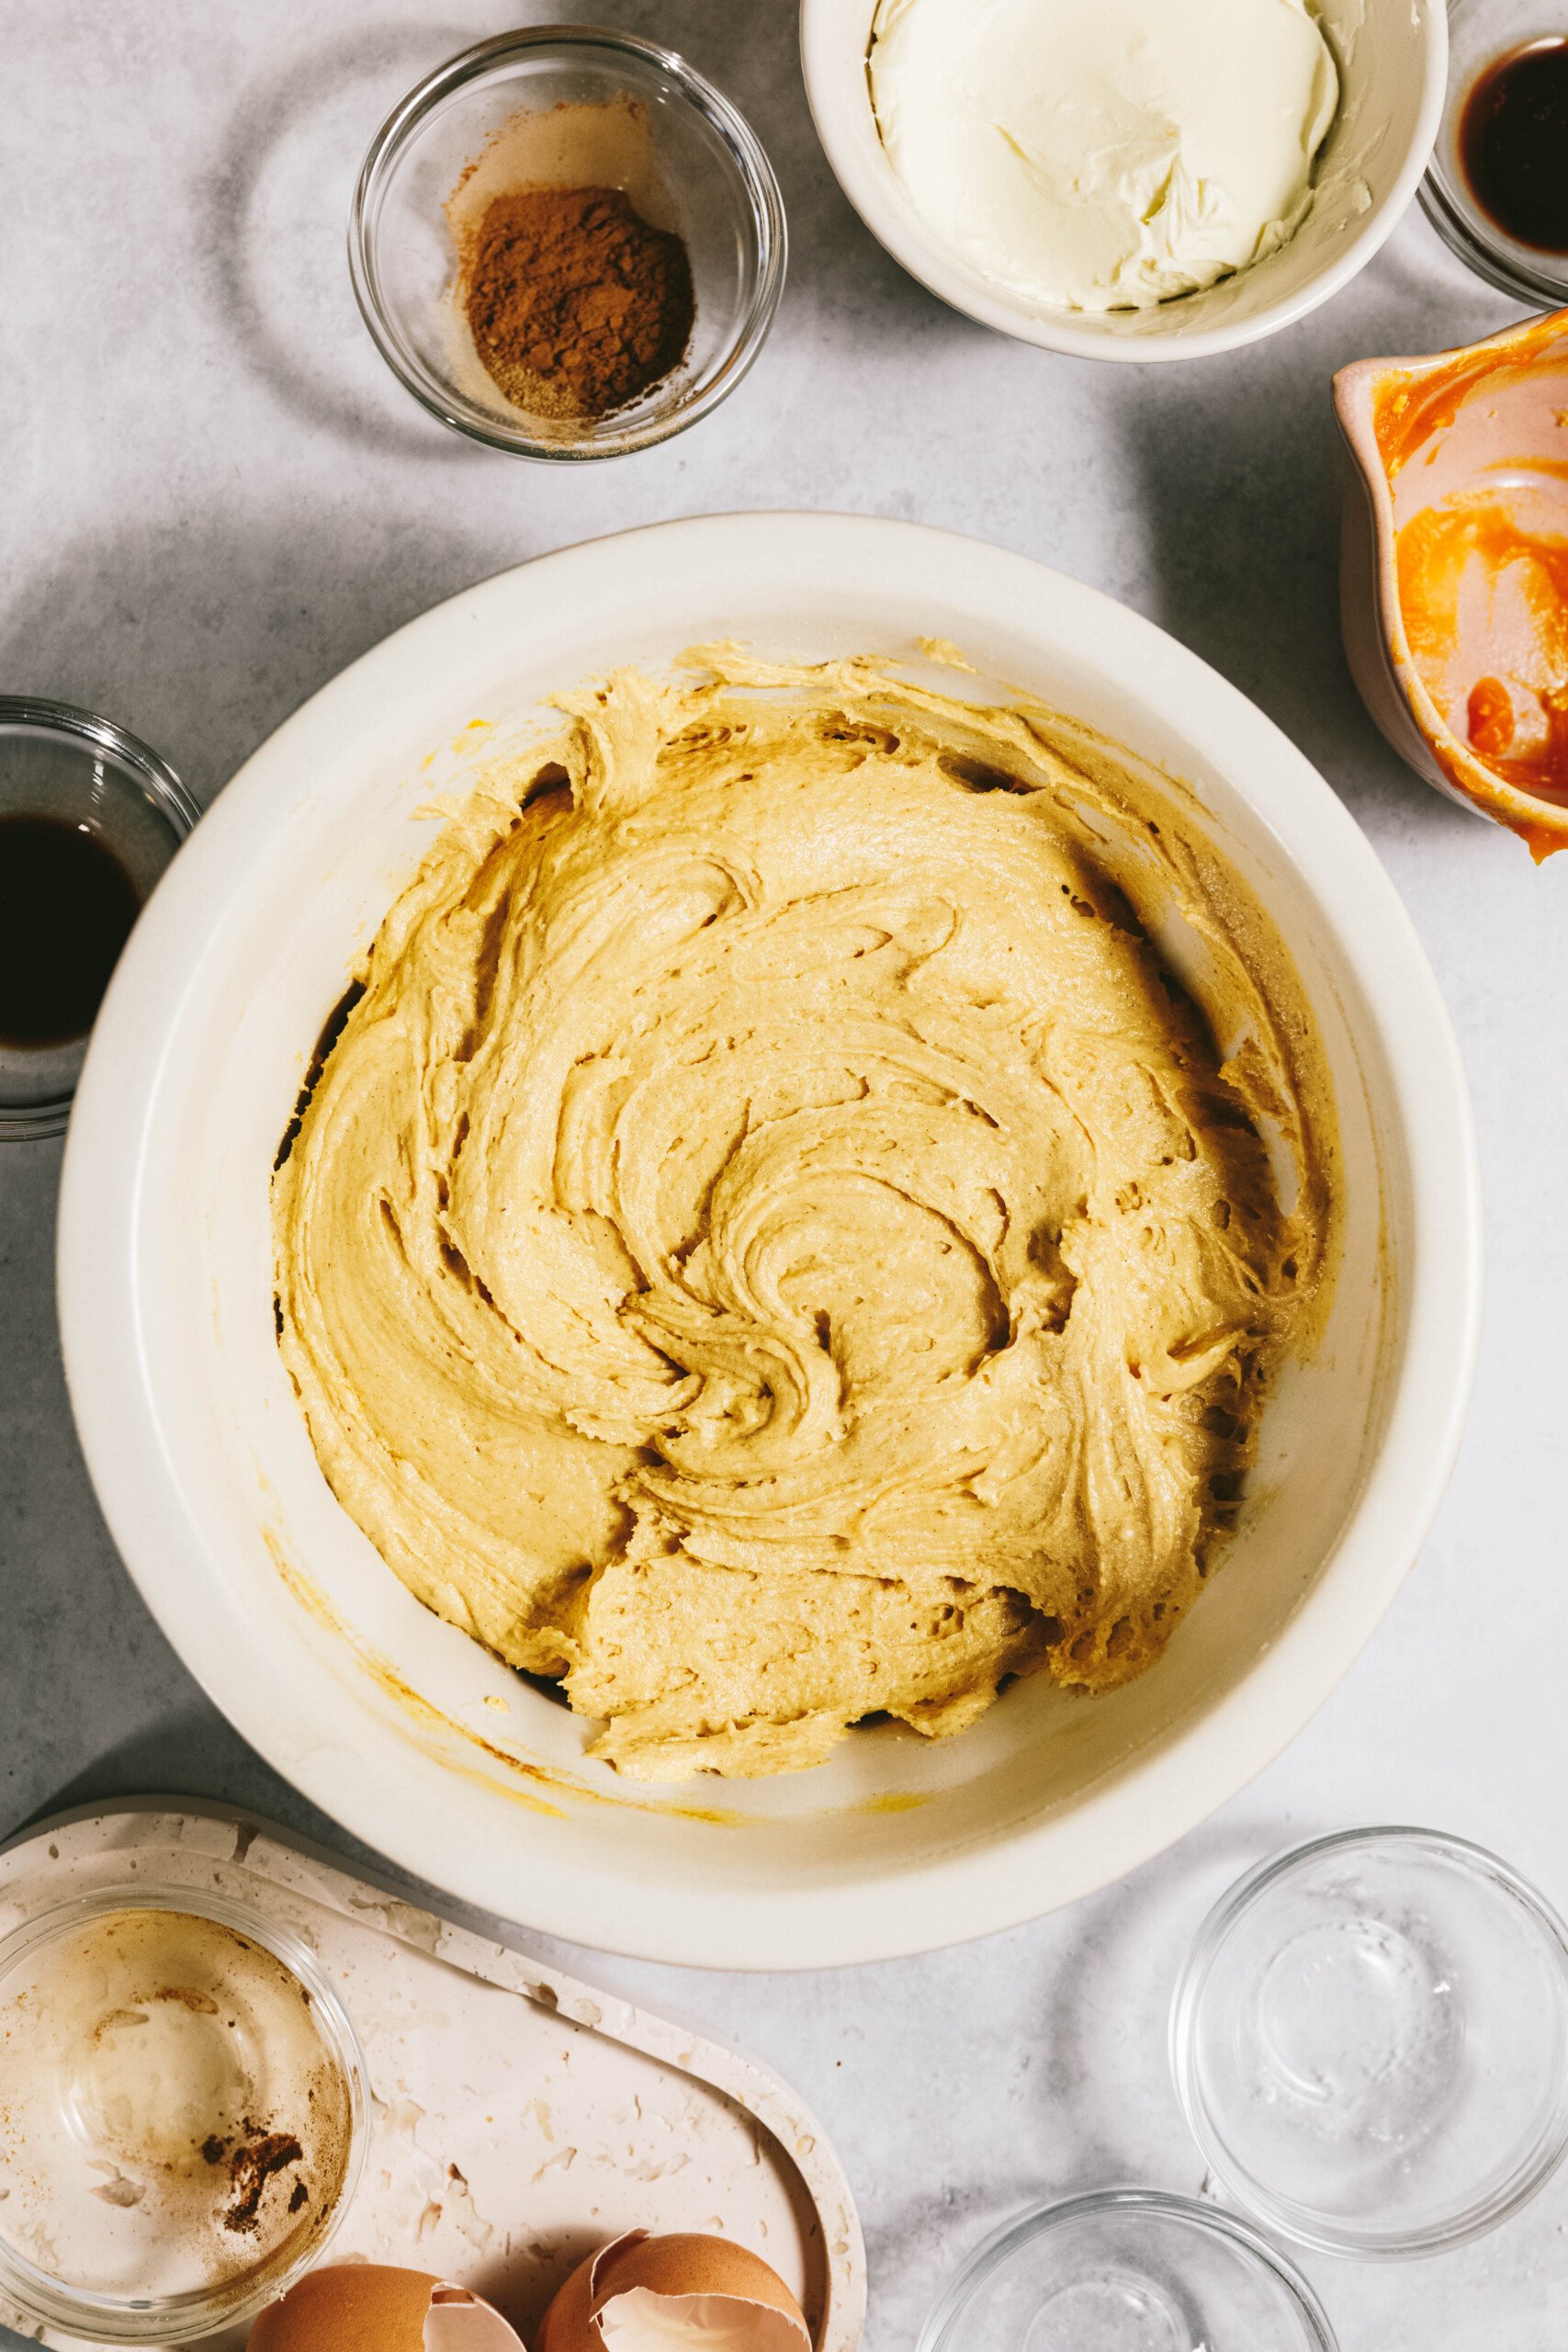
(567, 2325)
(365, 2307)
(348, 2307)
(460, 2322)
(602, 2297)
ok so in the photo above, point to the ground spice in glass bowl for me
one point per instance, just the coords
(567, 244)
(575, 304)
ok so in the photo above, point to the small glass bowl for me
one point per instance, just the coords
(155, 2076)
(1128, 2270)
(570, 105)
(1481, 31)
(1369, 2042)
(59, 762)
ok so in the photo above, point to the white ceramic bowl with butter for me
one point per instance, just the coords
(1393, 62)
(412, 1737)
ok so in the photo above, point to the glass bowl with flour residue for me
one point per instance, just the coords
(1128, 2270)
(1370, 2042)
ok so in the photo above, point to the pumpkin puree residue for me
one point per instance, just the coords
(1475, 547)
(1476, 456)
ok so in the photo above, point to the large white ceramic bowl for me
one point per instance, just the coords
(400, 1727)
(1392, 61)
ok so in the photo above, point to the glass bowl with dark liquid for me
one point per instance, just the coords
(89, 819)
(1496, 189)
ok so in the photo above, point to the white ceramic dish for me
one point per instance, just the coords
(596, 2117)
(1531, 356)
(1393, 59)
(399, 1726)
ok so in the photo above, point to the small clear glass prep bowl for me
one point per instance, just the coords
(1369, 2042)
(1481, 31)
(195, 2047)
(1128, 2270)
(58, 761)
(714, 184)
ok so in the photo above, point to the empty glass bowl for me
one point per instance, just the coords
(1480, 32)
(66, 772)
(1370, 2042)
(1128, 2270)
(182, 2119)
(567, 107)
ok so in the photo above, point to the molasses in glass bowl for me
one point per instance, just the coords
(1496, 189)
(89, 819)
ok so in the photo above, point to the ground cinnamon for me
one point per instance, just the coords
(575, 302)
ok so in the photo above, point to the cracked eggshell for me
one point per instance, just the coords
(680, 2294)
(365, 2307)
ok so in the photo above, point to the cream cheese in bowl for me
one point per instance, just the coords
(1104, 154)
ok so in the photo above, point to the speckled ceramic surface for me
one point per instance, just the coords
(518, 2116)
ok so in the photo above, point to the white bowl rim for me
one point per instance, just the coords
(367, 1789)
(926, 259)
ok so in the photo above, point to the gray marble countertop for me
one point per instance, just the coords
(213, 495)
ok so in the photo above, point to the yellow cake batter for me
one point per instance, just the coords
(772, 1244)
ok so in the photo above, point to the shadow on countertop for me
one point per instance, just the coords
(1081, 2103)
(274, 210)
(1240, 486)
(202, 638)
(273, 204)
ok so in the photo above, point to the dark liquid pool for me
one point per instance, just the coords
(1513, 143)
(66, 909)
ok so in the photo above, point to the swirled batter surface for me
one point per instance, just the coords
(772, 1244)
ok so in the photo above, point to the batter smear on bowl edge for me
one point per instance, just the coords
(772, 1242)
